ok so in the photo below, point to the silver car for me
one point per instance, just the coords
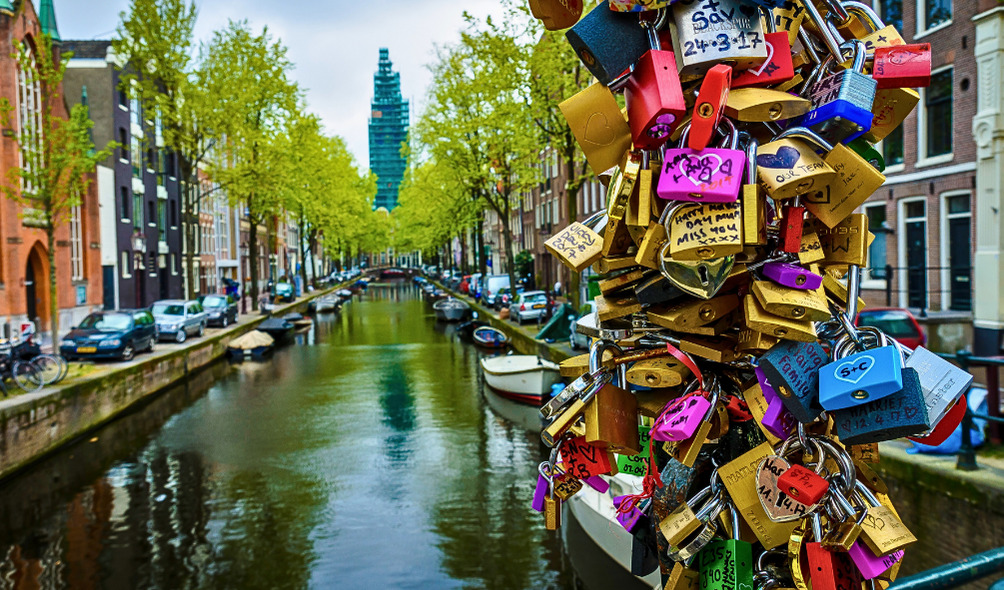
(529, 305)
(177, 319)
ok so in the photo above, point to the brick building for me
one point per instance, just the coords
(138, 185)
(24, 265)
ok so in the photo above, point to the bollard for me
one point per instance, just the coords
(967, 454)
(888, 285)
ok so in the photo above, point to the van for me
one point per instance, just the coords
(492, 284)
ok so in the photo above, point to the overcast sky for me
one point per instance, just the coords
(333, 43)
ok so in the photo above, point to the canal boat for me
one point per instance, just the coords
(521, 377)
(255, 344)
(279, 329)
(598, 547)
(451, 309)
(489, 337)
(298, 320)
(465, 331)
(327, 304)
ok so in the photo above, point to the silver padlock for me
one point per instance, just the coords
(842, 100)
(710, 32)
(943, 383)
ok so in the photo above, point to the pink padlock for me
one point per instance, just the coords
(629, 518)
(791, 275)
(682, 417)
(712, 175)
(869, 564)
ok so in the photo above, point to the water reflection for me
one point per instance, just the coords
(367, 460)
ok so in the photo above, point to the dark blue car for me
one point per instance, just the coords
(110, 335)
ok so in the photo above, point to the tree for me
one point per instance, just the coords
(253, 98)
(57, 153)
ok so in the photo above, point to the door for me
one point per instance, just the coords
(960, 262)
(30, 293)
(108, 286)
(914, 251)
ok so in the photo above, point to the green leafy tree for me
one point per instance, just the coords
(57, 154)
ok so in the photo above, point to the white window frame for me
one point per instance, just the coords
(922, 158)
(944, 217)
(126, 264)
(901, 221)
(922, 29)
(76, 245)
(29, 105)
(895, 168)
(869, 283)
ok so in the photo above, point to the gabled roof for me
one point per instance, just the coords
(87, 49)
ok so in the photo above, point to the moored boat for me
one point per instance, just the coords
(465, 331)
(298, 320)
(521, 377)
(279, 329)
(490, 337)
(327, 304)
(254, 344)
(451, 309)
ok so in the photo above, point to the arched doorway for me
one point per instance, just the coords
(36, 287)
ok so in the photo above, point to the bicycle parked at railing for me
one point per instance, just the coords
(24, 373)
(51, 367)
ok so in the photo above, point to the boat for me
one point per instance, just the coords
(255, 344)
(344, 294)
(465, 331)
(598, 547)
(327, 304)
(451, 309)
(298, 320)
(393, 273)
(521, 377)
(490, 337)
(279, 329)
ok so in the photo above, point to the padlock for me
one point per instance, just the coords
(702, 279)
(788, 18)
(868, 153)
(582, 460)
(792, 369)
(552, 512)
(798, 304)
(942, 382)
(788, 166)
(712, 175)
(709, 107)
(778, 67)
(753, 205)
(847, 520)
(882, 530)
(828, 570)
(842, 101)
(622, 185)
(704, 231)
(544, 485)
(630, 516)
(681, 419)
(564, 484)
(777, 420)
(656, 288)
(802, 484)
(791, 275)
(637, 5)
(623, 281)
(856, 378)
(556, 14)
(739, 477)
(577, 246)
(791, 227)
(778, 504)
(902, 66)
(709, 32)
(757, 318)
(598, 125)
(854, 182)
(692, 543)
(900, 414)
(943, 428)
(727, 564)
(878, 34)
(870, 565)
(651, 245)
(612, 421)
(762, 105)
(652, 93)
(890, 108)
(845, 243)
(608, 42)
(680, 523)
(687, 315)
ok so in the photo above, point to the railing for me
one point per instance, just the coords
(956, 573)
(967, 453)
(956, 285)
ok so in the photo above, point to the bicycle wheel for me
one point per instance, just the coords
(64, 367)
(49, 368)
(27, 376)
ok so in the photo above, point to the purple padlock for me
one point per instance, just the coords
(627, 519)
(543, 486)
(869, 564)
(778, 420)
(791, 275)
(680, 420)
(769, 393)
(597, 483)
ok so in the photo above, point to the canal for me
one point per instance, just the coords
(365, 456)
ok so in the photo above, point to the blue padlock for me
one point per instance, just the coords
(842, 101)
(860, 378)
(608, 42)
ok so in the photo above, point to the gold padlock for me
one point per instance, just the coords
(653, 401)
(703, 231)
(760, 105)
(846, 242)
(757, 404)
(754, 212)
(883, 532)
(658, 373)
(739, 477)
(552, 513)
(685, 316)
(856, 180)
(753, 342)
(789, 167)
(609, 264)
(616, 238)
(789, 18)
(757, 318)
(616, 306)
(576, 246)
(811, 249)
(797, 304)
(891, 108)
(599, 127)
(651, 245)
(622, 185)
(680, 523)
(612, 421)
(623, 280)
(683, 578)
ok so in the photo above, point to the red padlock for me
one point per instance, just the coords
(803, 485)
(710, 105)
(828, 570)
(791, 228)
(778, 66)
(945, 427)
(653, 95)
(902, 66)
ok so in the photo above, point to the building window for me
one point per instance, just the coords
(151, 160)
(123, 98)
(76, 245)
(124, 197)
(174, 264)
(29, 105)
(135, 112)
(891, 12)
(957, 253)
(137, 156)
(892, 148)
(123, 145)
(877, 251)
(162, 220)
(174, 213)
(913, 252)
(126, 262)
(137, 210)
(937, 115)
(151, 213)
(932, 13)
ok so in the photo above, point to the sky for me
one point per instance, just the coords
(334, 45)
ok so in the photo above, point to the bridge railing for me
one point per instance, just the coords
(966, 460)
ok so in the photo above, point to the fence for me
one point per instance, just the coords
(956, 292)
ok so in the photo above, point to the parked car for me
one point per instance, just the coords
(504, 297)
(491, 287)
(576, 340)
(110, 335)
(177, 319)
(284, 292)
(530, 305)
(897, 322)
(221, 310)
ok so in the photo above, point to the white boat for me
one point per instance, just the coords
(522, 377)
(598, 547)
(451, 309)
(327, 304)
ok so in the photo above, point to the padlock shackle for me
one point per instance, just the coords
(752, 147)
(810, 46)
(808, 135)
(837, 10)
(868, 13)
(832, 45)
(652, 27)
(768, 16)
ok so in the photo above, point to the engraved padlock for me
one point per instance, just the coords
(792, 369)
(596, 121)
(901, 414)
(842, 100)
(608, 42)
(942, 382)
(691, 544)
(778, 66)
(882, 530)
(727, 564)
(710, 32)
(789, 165)
(902, 66)
(652, 93)
(712, 175)
(754, 206)
(682, 417)
(862, 376)
(702, 231)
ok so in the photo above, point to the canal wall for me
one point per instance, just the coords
(953, 514)
(33, 425)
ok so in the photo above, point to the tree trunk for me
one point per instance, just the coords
(510, 257)
(303, 253)
(312, 246)
(253, 256)
(190, 220)
(482, 257)
(50, 236)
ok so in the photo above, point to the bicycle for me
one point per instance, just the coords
(52, 367)
(25, 374)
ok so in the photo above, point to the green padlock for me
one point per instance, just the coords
(727, 564)
(868, 152)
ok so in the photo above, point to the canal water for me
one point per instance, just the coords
(365, 456)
